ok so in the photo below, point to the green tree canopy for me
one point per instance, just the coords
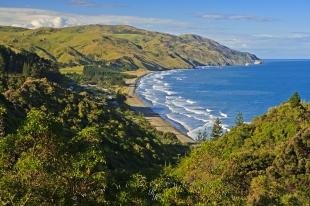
(295, 100)
(217, 129)
(239, 119)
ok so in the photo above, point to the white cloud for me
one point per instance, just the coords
(239, 43)
(82, 3)
(265, 45)
(89, 3)
(300, 35)
(55, 22)
(269, 36)
(229, 17)
(35, 18)
(285, 36)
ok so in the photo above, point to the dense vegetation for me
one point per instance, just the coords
(15, 66)
(121, 47)
(266, 162)
(61, 146)
(72, 148)
(103, 76)
(66, 144)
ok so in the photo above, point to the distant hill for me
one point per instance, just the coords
(122, 47)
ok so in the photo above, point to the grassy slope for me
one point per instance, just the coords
(126, 44)
(70, 70)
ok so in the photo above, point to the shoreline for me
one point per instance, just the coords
(158, 122)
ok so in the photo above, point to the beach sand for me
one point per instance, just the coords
(155, 120)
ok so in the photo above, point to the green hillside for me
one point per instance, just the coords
(121, 47)
(62, 143)
(266, 162)
(62, 147)
(73, 146)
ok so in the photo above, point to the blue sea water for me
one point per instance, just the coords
(192, 99)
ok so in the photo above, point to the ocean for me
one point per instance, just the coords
(191, 99)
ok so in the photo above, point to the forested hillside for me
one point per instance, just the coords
(62, 146)
(266, 162)
(15, 66)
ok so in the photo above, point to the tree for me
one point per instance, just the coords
(26, 69)
(2, 64)
(217, 129)
(202, 135)
(2, 121)
(239, 119)
(295, 100)
(2, 73)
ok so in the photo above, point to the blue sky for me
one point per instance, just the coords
(268, 28)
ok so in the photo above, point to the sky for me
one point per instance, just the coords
(268, 28)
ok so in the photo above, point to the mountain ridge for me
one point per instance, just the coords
(122, 46)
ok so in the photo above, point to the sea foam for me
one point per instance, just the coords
(179, 110)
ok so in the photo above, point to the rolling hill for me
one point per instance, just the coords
(121, 47)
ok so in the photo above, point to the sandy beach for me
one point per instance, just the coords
(155, 120)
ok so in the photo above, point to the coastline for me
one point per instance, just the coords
(134, 101)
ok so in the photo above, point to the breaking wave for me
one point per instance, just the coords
(187, 113)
